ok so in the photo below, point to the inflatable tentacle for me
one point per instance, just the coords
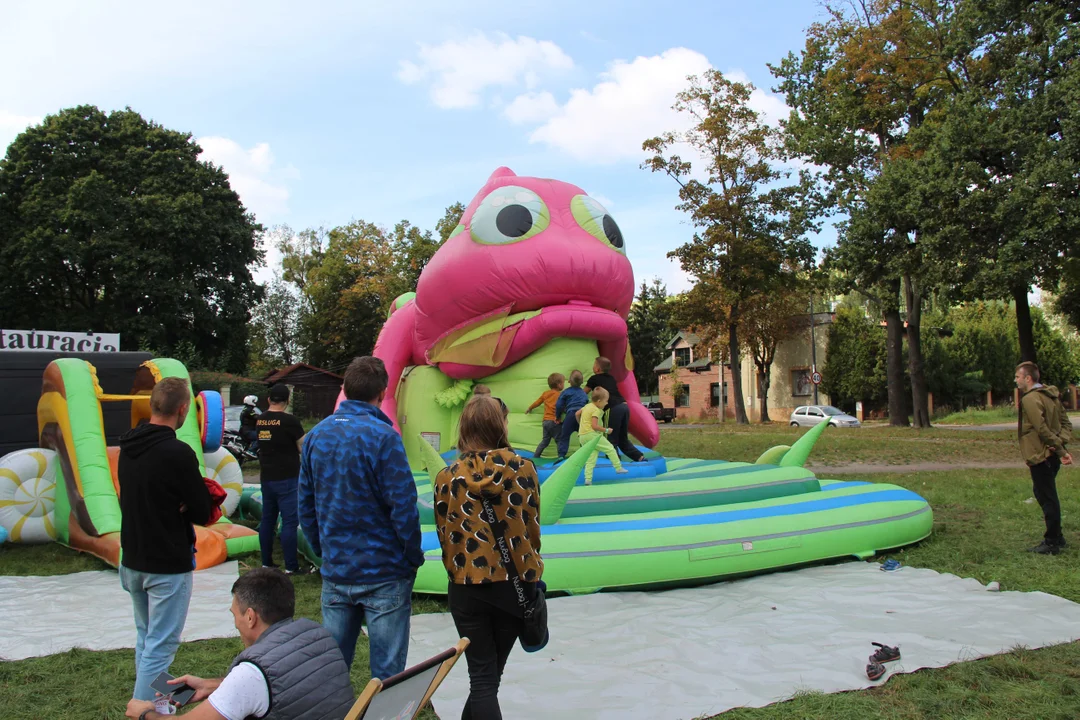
(773, 455)
(800, 451)
(557, 488)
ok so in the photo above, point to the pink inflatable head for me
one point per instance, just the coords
(524, 244)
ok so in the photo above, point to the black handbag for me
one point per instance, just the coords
(534, 633)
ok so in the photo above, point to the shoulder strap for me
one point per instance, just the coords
(505, 557)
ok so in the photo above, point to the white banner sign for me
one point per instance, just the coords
(53, 341)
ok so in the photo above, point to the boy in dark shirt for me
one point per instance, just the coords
(570, 401)
(618, 413)
(280, 436)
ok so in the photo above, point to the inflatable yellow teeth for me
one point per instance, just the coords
(28, 495)
(222, 467)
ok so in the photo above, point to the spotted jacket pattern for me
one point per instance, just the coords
(510, 484)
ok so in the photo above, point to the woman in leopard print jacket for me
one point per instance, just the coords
(482, 600)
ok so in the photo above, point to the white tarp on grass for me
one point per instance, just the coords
(46, 615)
(700, 651)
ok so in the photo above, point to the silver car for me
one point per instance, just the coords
(810, 415)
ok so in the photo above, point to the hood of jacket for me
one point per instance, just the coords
(138, 441)
(490, 472)
(1049, 390)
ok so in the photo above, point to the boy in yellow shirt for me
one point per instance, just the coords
(590, 422)
(548, 398)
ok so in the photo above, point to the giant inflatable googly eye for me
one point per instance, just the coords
(210, 410)
(595, 220)
(28, 495)
(222, 468)
(508, 215)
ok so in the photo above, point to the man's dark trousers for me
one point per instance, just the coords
(1043, 482)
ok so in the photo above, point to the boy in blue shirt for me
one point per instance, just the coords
(570, 401)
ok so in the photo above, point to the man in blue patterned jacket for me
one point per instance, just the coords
(358, 511)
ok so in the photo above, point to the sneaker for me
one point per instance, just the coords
(874, 670)
(642, 459)
(885, 653)
(1044, 548)
(621, 471)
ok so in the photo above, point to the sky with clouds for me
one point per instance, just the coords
(326, 112)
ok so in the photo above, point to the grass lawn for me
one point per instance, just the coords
(979, 416)
(982, 527)
(838, 446)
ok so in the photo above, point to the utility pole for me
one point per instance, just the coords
(813, 347)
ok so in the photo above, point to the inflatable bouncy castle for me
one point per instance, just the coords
(67, 490)
(535, 280)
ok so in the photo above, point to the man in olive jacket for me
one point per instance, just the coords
(1044, 430)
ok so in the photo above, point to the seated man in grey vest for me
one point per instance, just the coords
(289, 670)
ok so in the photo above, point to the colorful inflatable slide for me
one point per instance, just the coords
(67, 489)
(535, 280)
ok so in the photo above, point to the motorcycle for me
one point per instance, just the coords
(238, 447)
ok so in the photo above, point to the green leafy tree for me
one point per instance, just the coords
(855, 364)
(649, 327)
(346, 278)
(865, 81)
(750, 229)
(276, 324)
(112, 223)
(771, 319)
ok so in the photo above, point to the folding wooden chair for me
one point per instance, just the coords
(404, 695)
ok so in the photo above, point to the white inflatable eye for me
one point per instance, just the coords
(595, 220)
(507, 215)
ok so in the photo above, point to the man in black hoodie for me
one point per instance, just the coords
(161, 494)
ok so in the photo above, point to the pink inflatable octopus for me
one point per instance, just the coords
(532, 260)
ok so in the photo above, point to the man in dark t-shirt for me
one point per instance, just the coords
(280, 437)
(618, 411)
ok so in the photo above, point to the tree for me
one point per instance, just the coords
(347, 277)
(855, 366)
(276, 324)
(110, 222)
(1005, 154)
(749, 228)
(649, 328)
(771, 319)
(865, 81)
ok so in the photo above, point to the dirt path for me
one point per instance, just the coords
(872, 468)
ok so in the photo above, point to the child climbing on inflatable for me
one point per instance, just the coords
(570, 401)
(589, 424)
(548, 398)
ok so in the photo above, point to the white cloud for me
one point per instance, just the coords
(632, 102)
(11, 125)
(461, 69)
(251, 174)
(531, 108)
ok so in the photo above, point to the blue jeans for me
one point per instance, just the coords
(386, 606)
(569, 427)
(161, 608)
(279, 496)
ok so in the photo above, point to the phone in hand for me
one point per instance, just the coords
(181, 693)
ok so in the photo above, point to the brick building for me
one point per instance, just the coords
(706, 384)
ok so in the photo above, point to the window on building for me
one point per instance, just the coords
(801, 386)
(684, 397)
(714, 395)
(682, 356)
